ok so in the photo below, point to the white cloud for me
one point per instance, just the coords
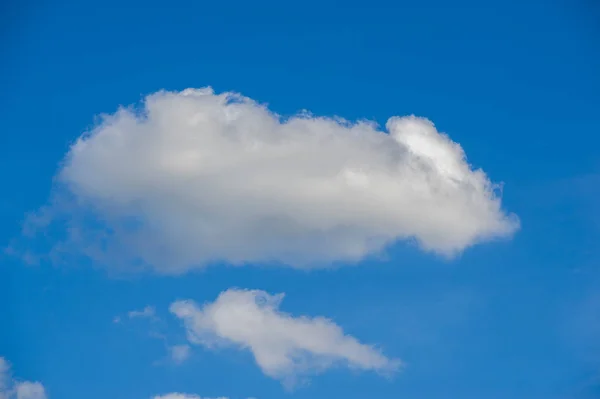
(148, 313)
(197, 177)
(14, 389)
(283, 346)
(179, 353)
(30, 390)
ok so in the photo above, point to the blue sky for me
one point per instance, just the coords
(472, 304)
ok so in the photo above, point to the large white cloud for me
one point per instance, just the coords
(195, 177)
(284, 347)
(15, 389)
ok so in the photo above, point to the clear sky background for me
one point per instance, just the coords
(515, 83)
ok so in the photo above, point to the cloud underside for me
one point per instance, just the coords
(283, 346)
(193, 177)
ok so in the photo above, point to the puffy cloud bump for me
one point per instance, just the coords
(283, 346)
(195, 177)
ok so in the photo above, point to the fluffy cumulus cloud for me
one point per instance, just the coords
(11, 388)
(194, 177)
(284, 347)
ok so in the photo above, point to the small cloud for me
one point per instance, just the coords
(149, 312)
(284, 347)
(179, 353)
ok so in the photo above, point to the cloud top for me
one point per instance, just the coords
(284, 347)
(195, 177)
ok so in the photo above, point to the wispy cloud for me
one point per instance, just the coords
(179, 353)
(284, 347)
(149, 312)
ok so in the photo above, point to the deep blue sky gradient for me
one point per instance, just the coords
(516, 83)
